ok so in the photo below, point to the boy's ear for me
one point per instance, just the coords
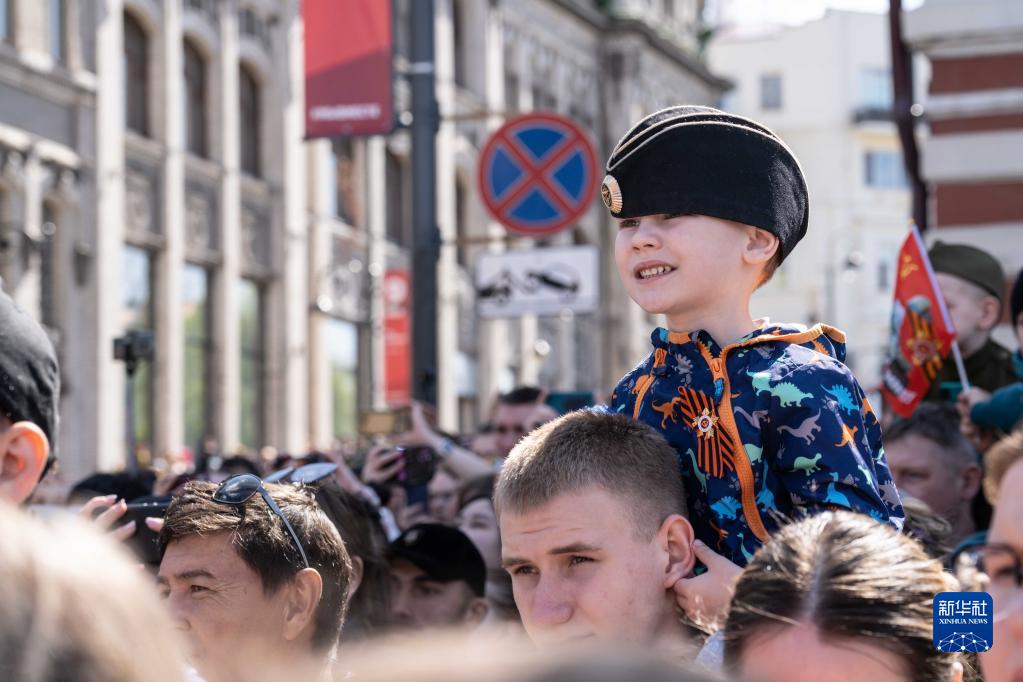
(991, 313)
(761, 246)
(23, 452)
(676, 538)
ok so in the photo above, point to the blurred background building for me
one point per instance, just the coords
(973, 159)
(153, 175)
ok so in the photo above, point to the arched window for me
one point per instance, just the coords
(250, 120)
(195, 101)
(136, 76)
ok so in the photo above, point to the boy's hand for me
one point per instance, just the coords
(705, 597)
(113, 509)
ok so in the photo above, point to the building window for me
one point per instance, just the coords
(195, 286)
(251, 121)
(48, 266)
(884, 170)
(461, 223)
(137, 313)
(5, 20)
(511, 92)
(876, 89)
(770, 92)
(399, 229)
(342, 344)
(195, 101)
(136, 76)
(458, 29)
(342, 194)
(250, 312)
(57, 21)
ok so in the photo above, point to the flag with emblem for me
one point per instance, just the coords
(922, 335)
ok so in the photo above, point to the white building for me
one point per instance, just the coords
(153, 174)
(825, 88)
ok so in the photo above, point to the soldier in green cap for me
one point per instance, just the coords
(973, 285)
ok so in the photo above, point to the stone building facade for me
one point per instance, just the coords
(154, 175)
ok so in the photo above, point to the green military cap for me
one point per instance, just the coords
(971, 264)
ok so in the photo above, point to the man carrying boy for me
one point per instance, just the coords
(766, 421)
(593, 531)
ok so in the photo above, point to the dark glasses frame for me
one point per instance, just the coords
(238, 489)
(305, 475)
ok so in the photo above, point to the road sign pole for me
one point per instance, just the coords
(426, 235)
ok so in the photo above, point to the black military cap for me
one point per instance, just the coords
(29, 378)
(693, 159)
(443, 553)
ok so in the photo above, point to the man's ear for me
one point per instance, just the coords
(302, 599)
(477, 611)
(971, 476)
(991, 313)
(24, 449)
(358, 571)
(761, 246)
(676, 539)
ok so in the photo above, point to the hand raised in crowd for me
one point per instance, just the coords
(382, 464)
(113, 509)
(705, 597)
(964, 404)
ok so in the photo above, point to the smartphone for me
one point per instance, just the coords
(385, 423)
(144, 541)
(420, 465)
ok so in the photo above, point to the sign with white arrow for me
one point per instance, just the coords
(544, 281)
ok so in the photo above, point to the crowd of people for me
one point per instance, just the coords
(738, 510)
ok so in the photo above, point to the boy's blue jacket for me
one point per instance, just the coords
(766, 429)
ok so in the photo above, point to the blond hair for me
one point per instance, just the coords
(999, 459)
(74, 606)
(593, 447)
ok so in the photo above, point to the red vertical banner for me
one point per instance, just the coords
(348, 55)
(922, 333)
(397, 338)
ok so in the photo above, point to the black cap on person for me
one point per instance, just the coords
(445, 554)
(694, 159)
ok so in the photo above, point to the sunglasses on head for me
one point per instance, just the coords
(239, 488)
(305, 475)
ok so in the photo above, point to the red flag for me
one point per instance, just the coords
(922, 333)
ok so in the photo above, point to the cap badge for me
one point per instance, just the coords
(611, 193)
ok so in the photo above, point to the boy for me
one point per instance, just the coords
(766, 421)
(972, 283)
(593, 532)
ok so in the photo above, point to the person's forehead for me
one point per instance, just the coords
(478, 507)
(512, 414)
(912, 449)
(591, 515)
(959, 288)
(214, 554)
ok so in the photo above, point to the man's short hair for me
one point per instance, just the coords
(521, 395)
(29, 375)
(938, 423)
(593, 447)
(263, 543)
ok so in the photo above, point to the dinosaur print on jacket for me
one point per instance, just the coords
(771, 427)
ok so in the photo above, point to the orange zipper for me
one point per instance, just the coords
(644, 383)
(742, 466)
